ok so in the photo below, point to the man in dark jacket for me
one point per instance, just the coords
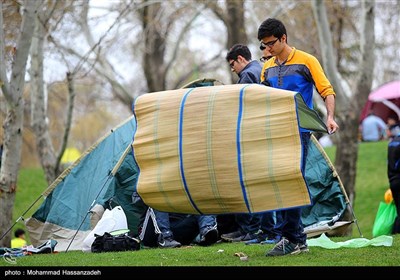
(239, 58)
(394, 177)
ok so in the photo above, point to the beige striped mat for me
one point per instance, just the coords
(221, 149)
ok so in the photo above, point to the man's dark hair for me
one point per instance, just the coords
(19, 232)
(271, 27)
(237, 50)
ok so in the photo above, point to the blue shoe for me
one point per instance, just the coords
(252, 241)
(284, 247)
(257, 238)
(263, 239)
(271, 240)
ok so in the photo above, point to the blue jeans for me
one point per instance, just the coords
(184, 227)
(163, 223)
(248, 223)
(292, 227)
(205, 222)
(271, 223)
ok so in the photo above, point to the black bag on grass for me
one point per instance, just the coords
(113, 243)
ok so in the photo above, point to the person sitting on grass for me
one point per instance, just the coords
(19, 240)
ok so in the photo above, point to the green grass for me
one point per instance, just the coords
(371, 184)
(212, 256)
(31, 183)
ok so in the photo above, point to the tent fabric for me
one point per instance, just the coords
(220, 149)
(203, 82)
(325, 187)
(324, 227)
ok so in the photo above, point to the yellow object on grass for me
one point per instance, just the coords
(18, 242)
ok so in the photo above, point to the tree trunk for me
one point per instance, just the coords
(346, 163)
(346, 157)
(348, 104)
(234, 20)
(153, 61)
(7, 205)
(13, 124)
(235, 23)
(39, 106)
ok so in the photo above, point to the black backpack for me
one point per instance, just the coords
(110, 243)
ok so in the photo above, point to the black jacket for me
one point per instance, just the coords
(394, 159)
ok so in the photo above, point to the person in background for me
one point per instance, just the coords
(19, 240)
(373, 128)
(393, 173)
(251, 228)
(294, 70)
(393, 128)
(239, 59)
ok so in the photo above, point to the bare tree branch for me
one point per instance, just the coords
(180, 39)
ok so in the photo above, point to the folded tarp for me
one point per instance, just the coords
(222, 149)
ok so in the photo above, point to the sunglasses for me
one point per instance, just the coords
(265, 58)
(232, 63)
(263, 45)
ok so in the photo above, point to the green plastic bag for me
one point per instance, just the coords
(384, 220)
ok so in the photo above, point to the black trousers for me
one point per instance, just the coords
(395, 188)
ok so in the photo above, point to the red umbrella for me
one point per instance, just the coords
(384, 101)
(387, 91)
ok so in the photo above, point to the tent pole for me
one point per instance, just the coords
(348, 203)
(121, 160)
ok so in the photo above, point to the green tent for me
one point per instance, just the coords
(105, 174)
